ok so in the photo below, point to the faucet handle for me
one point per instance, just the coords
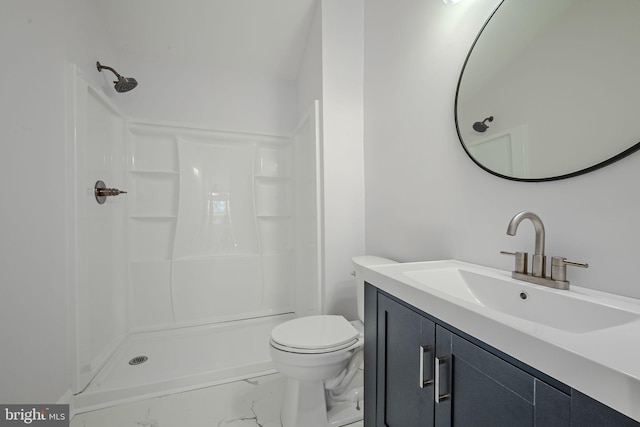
(559, 267)
(521, 261)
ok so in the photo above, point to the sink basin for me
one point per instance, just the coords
(565, 310)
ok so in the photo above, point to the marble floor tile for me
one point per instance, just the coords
(250, 403)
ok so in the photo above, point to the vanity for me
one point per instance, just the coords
(454, 343)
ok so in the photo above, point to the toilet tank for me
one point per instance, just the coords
(358, 263)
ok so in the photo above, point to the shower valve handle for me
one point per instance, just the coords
(109, 192)
(101, 192)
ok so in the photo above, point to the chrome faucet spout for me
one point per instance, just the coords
(539, 261)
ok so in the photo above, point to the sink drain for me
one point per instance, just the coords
(138, 360)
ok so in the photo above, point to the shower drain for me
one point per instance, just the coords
(138, 360)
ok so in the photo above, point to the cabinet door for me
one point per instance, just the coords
(405, 341)
(487, 391)
(587, 412)
(420, 373)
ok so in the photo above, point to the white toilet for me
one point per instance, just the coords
(319, 356)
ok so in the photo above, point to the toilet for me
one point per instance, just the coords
(319, 356)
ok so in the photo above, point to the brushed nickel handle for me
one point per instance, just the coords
(576, 264)
(559, 268)
(424, 383)
(101, 192)
(438, 380)
(522, 261)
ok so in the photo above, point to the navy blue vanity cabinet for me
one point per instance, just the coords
(587, 412)
(404, 382)
(489, 391)
(420, 373)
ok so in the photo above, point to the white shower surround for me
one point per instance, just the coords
(214, 222)
(211, 225)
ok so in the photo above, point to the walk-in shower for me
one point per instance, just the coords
(215, 243)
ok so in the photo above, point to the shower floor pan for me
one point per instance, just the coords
(181, 359)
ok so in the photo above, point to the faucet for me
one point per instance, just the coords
(559, 265)
(539, 259)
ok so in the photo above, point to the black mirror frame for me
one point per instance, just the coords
(592, 168)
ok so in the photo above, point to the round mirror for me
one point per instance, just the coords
(551, 88)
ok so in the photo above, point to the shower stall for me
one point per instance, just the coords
(180, 280)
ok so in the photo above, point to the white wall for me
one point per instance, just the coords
(342, 113)
(309, 82)
(36, 39)
(199, 94)
(425, 199)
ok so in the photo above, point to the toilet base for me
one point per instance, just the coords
(344, 413)
(312, 411)
(349, 407)
(304, 404)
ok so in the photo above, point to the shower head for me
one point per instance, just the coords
(482, 126)
(124, 84)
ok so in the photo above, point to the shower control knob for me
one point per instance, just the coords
(111, 192)
(101, 192)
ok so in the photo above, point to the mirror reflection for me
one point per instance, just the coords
(550, 88)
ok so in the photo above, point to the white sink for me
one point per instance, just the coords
(561, 309)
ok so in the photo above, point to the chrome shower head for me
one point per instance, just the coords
(124, 84)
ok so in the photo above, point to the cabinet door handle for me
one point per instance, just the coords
(424, 383)
(438, 379)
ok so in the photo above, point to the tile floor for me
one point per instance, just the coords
(249, 403)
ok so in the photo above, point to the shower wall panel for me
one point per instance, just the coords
(153, 204)
(211, 225)
(217, 215)
(308, 207)
(216, 288)
(99, 243)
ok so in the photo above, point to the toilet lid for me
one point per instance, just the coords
(315, 332)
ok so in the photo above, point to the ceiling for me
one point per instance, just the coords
(262, 36)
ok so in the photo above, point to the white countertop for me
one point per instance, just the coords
(603, 364)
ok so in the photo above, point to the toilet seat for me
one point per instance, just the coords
(312, 351)
(314, 334)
